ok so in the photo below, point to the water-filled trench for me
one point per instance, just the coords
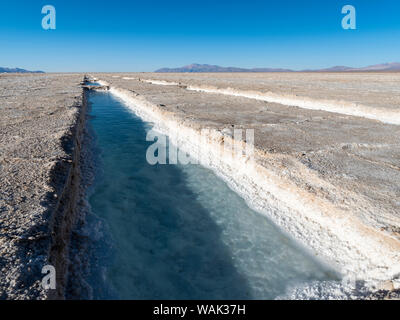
(178, 231)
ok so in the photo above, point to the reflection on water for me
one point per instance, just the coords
(179, 232)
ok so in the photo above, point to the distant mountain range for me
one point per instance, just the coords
(17, 70)
(394, 66)
(210, 68)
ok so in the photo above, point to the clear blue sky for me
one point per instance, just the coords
(123, 35)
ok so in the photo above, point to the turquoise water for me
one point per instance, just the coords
(89, 83)
(179, 232)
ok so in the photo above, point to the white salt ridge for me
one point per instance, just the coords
(342, 107)
(161, 82)
(339, 240)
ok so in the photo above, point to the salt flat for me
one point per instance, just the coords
(38, 125)
(329, 179)
(378, 90)
(370, 95)
(337, 174)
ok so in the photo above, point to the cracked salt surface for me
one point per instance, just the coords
(179, 232)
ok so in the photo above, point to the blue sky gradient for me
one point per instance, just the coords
(122, 35)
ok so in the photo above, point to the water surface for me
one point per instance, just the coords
(179, 232)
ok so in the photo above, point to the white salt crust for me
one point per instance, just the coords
(342, 107)
(334, 237)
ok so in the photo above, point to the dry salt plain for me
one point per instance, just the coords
(326, 166)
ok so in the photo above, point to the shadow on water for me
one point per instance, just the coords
(164, 243)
